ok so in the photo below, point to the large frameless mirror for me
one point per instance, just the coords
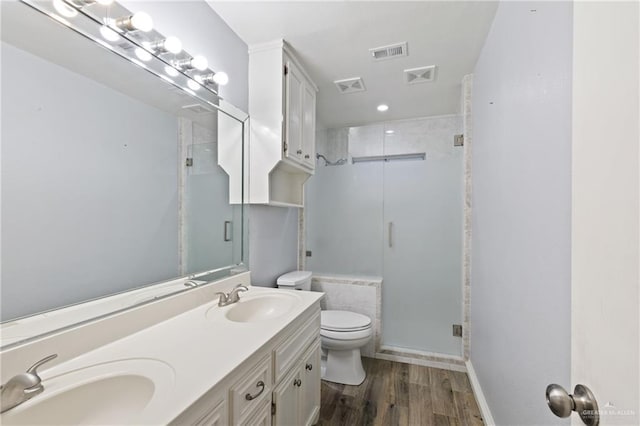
(115, 153)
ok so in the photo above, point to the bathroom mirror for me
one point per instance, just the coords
(112, 182)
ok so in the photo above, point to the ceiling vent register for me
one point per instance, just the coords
(420, 75)
(389, 52)
(350, 85)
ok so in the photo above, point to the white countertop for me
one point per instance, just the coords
(200, 350)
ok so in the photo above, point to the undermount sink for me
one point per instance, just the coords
(258, 307)
(111, 393)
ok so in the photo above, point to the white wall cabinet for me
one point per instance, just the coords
(282, 110)
(279, 385)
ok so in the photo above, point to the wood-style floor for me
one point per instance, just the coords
(401, 394)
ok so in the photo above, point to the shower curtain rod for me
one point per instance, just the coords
(415, 156)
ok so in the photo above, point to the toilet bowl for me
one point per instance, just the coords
(342, 334)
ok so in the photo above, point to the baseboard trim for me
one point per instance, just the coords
(427, 359)
(477, 391)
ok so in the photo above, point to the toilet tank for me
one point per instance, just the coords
(296, 280)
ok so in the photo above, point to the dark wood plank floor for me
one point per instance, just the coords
(401, 394)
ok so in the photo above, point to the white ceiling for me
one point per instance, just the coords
(332, 40)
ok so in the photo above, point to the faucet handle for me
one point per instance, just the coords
(34, 367)
(224, 298)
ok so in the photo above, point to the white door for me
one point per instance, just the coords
(605, 214)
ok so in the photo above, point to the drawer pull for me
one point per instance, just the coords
(309, 367)
(297, 382)
(250, 397)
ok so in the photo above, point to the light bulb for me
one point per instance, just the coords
(220, 78)
(193, 85)
(171, 71)
(108, 34)
(142, 21)
(64, 9)
(142, 54)
(173, 45)
(199, 62)
(104, 2)
(383, 107)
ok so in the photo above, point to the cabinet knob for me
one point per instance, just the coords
(306, 156)
(309, 367)
(299, 151)
(297, 382)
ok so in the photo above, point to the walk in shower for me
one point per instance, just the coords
(394, 209)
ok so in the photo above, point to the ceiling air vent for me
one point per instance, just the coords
(350, 85)
(389, 52)
(420, 75)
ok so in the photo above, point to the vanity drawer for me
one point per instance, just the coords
(288, 353)
(249, 393)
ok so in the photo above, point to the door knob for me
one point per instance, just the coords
(582, 401)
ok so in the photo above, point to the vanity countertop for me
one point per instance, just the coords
(198, 348)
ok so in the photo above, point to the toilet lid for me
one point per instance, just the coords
(343, 321)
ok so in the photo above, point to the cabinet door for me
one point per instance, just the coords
(293, 113)
(286, 397)
(309, 126)
(310, 389)
(261, 418)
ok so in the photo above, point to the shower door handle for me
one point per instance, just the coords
(227, 230)
(390, 234)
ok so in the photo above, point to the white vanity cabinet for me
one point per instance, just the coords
(279, 385)
(282, 110)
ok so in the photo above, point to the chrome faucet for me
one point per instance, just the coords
(232, 297)
(22, 387)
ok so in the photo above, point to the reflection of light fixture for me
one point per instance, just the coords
(108, 34)
(169, 44)
(220, 78)
(171, 71)
(198, 62)
(193, 85)
(138, 21)
(142, 54)
(383, 107)
(64, 9)
(389, 132)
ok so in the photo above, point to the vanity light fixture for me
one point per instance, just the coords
(383, 107)
(198, 62)
(64, 9)
(220, 78)
(169, 44)
(138, 21)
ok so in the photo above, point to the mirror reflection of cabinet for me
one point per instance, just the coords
(282, 106)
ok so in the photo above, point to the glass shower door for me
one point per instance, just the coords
(423, 208)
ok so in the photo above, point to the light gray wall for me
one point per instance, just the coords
(273, 243)
(89, 188)
(520, 278)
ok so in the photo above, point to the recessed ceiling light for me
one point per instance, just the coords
(383, 107)
(389, 132)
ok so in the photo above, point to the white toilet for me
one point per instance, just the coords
(342, 334)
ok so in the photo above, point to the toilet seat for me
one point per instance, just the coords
(343, 321)
(347, 335)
